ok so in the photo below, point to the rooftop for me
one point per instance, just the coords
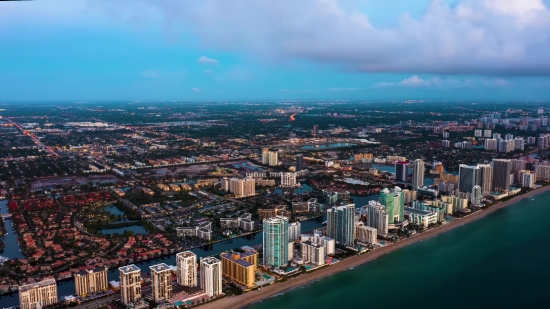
(31, 286)
(129, 269)
(416, 211)
(186, 254)
(160, 267)
(210, 260)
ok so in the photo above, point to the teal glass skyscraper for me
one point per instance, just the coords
(275, 245)
(340, 224)
(393, 202)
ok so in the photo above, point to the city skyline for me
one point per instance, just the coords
(171, 50)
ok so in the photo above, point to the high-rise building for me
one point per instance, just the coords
(161, 280)
(186, 263)
(506, 146)
(340, 224)
(527, 179)
(265, 155)
(313, 253)
(501, 174)
(519, 143)
(487, 133)
(91, 281)
(468, 177)
(294, 231)
(38, 295)
(275, 243)
(288, 180)
(509, 137)
(273, 158)
(478, 133)
(393, 201)
(376, 216)
(241, 187)
(418, 174)
(491, 144)
(476, 195)
(445, 143)
(211, 276)
(299, 162)
(364, 233)
(401, 171)
(241, 265)
(315, 130)
(130, 283)
(485, 180)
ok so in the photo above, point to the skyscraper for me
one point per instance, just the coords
(161, 279)
(211, 276)
(288, 179)
(39, 294)
(468, 177)
(130, 283)
(265, 155)
(485, 180)
(187, 268)
(401, 171)
(376, 216)
(393, 202)
(275, 244)
(418, 174)
(501, 174)
(340, 224)
(476, 195)
(299, 162)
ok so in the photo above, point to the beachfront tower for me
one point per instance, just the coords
(501, 174)
(186, 263)
(340, 224)
(376, 217)
(38, 294)
(393, 202)
(275, 243)
(211, 276)
(476, 196)
(161, 279)
(130, 283)
(486, 179)
(418, 174)
(401, 171)
(468, 177)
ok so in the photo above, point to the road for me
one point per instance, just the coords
(36, 141)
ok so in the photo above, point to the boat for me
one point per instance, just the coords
(324, 223)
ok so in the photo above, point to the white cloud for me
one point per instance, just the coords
(484, 37)
(414, 81)
(207, 60)
(195, 89)
(208, 71)
(417, 81)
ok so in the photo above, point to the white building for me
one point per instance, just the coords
(161, 280)
(211, 276)
(186, 263)
(491, 144)
(294, 231)
(365, 234)
(288, 180)
(376, 216)
(420, 217)
(418, 174)
(37, 295)
(130, 283)
(313, 253)
(527, 178)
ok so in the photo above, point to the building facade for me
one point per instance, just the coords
(275, 241)
(393, 201)
(418, 174)
(91, 281)
(377, 216)
(501, 174)
(161, 282)
(37, 295)
(186, 262)
(241, 266)
(130, 283)
(294, 231)
(401, 171)
(340, 224)
(211, 276)
(313, 253)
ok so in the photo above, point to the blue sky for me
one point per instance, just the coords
(81, 50)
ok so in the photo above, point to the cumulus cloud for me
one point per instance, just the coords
(487, 37)
(414, 81)
(207, 60)
(417, 81)
(195, 89)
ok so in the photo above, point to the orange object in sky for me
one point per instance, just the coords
(292, 117)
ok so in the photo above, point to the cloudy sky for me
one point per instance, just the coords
(275, 50)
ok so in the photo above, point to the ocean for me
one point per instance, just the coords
(499, 261)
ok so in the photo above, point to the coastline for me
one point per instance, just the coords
(250, 298)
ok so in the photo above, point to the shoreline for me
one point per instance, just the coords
(249, 298)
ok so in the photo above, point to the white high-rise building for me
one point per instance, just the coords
(313, 253)
(275, 242)
(340, 224)
(211, 276)
(242, 187)
(273, 158)
(490, 144)
(288, 180)
(527, 178)
(486, 179)
(376, 216)
(476, 196)
(37, 295)
(418, 174)
(187, 268)
(130, 283)
(365, 234)
(91, 281)
(487, 133)
(294, 231)
(478, 133)
(161, 279)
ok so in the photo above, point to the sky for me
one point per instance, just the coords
(230, 50)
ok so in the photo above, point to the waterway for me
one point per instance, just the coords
(11, 246)
(498, 261)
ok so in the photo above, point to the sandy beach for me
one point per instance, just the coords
(249, 298)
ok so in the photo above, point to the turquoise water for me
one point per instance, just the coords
(500, 261)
